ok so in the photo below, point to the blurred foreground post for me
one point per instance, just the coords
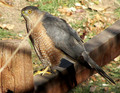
(17, 77)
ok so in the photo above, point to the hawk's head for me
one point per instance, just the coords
(31, 15)
(29, 11)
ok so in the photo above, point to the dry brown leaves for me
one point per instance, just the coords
(8, 3)
(102, 16)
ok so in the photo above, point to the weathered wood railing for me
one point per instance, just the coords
(18, 76)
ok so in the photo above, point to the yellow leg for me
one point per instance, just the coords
(43, 72)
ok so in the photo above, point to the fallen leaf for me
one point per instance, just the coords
(97, 7)
(63, 10)
(83, 2)
(117, 58)
(99, 24)
(31, 0)
(93, 78)
(97, 74)
(92, 88)
(67, 11)
(8, 3)
(118, 67)
(110, 65)
(77, 4)
(112, 92)
(105, 85)
(105, 88)
(7, 38)
(98, 17)
(7, 26)
(80, 10)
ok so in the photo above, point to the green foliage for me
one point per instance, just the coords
(51, 6)
(117, 12)
(78, 24)
(80, 89)
(6, 34)
(118, 1)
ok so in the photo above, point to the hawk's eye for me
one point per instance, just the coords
(29, 11)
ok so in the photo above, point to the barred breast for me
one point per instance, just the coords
(45, 45)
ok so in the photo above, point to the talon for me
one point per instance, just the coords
(43, 72)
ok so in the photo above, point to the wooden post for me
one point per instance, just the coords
(17, 77)
(103, 48)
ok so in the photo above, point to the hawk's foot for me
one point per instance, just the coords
(43, 72)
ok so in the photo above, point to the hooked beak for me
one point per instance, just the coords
(22, 13)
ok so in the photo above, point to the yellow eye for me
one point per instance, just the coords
(29, 11)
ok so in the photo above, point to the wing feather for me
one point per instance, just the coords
(63, 36)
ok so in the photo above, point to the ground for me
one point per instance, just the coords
(11, 14)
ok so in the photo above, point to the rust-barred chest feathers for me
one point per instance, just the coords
(45, 45)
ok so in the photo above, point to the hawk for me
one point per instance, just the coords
(53, 39)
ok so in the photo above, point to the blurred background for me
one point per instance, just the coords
(87, 17)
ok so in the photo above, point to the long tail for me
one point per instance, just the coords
(96, 67)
